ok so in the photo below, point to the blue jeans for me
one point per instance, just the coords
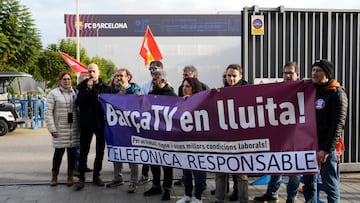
(330, 177)
(188, 182)
(275, 182)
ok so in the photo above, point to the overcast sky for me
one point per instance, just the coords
(49, 14)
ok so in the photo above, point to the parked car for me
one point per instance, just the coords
(9, 118)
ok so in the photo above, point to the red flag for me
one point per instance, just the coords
(149, 50)
(74, 64)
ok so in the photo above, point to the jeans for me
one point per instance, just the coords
(330, 177)
(291, 189)
(188, 182)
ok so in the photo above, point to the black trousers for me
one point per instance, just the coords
(58, 155)
(145, 170)
(85, 141)
(168, 176)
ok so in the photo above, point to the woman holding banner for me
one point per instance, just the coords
(191, 86)
(233, 78)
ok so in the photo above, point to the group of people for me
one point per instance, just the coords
(75, 116)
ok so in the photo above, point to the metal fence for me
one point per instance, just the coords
(304, 35)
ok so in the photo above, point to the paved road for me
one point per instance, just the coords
(25, 169)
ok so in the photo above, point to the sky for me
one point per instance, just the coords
(49, 14)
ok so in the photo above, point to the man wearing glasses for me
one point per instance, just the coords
(290, 73)
(147, 86)
(144, 90)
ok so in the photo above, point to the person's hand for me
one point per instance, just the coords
(185, 97)
(307, 80)
(90, 83)
(54, 134)
(322, 156)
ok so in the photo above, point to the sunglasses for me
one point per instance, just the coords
(152, 68)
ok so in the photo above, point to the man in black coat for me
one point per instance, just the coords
(161, 87)
(91, 122)
(331, 111)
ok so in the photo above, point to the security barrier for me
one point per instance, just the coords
(32, 111)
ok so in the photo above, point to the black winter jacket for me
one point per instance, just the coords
(91, 113)
(331, 111)
(167, 90)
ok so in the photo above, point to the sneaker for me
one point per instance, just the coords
(195, 200)
(115, 183)
(153, 191)
(166, 195)
(185, 199)
(266, 198)
(143, 180)
(132, 188)
(98, 182)
(234, 197)
(179, 182)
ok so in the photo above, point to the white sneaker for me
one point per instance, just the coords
(185, 199)
(195, 200)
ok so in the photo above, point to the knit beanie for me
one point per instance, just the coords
(326, 65)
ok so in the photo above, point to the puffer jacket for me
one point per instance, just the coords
(331, 111)
(59, 102)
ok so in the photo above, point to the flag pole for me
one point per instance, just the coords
(77, 36)
(77, 30)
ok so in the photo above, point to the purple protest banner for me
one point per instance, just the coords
(252, 129)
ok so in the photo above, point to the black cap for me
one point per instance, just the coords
(326, 65)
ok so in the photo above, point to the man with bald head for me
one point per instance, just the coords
(91, 122)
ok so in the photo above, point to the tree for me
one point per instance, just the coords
(50, 63)
(19, 40)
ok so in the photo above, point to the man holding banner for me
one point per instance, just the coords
(161, 87)
(331, 106)
(290, 73)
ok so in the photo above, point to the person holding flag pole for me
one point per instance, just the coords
(150, 52)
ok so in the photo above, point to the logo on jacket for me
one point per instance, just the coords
(319, 104)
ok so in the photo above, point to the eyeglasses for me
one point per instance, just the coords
(288, 73)
(64, 79)
(152, 68)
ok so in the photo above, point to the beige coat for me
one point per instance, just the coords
(59, 102)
